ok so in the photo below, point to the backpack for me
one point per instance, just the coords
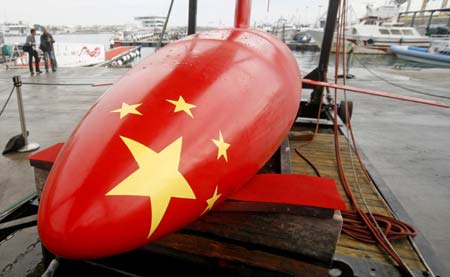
(26, 48)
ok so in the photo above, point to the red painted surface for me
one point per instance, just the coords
(242, 14)
(111, 53)
(47, 155)
(378, 93)
(292, 189)
(244, 83)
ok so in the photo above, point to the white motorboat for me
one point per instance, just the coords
(372, 33)
(284, 30)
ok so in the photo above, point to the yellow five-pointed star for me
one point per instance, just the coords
(158, 178)
(222, 147)
(181, 105)
(211, 201)
(128, 109)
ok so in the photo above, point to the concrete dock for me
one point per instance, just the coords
(408, 144)
(51, 114)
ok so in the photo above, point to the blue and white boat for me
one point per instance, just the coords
(437, 54)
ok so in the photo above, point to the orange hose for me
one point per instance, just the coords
(375, 232)
(393, 229)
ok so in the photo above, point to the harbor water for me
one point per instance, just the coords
(307, 60)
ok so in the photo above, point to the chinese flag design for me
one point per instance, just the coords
(174, 137)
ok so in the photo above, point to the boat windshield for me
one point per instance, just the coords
(407, 32)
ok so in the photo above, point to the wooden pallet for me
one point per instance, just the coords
(322, 154)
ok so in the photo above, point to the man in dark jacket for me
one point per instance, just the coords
(30, 46)
(49, 52)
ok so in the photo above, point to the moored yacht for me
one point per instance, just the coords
(374, 34)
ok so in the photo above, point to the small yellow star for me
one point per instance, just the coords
(127, 109)
(211, 201)
(181, 105)
(222, 147)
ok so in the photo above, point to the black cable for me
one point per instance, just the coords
(57, 84)
(6, 102)
(308, 161)
(397, 85)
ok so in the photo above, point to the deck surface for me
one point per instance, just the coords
(322, 154)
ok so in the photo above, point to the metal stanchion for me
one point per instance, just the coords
(29, 146)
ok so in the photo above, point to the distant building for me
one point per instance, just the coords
(154, 23)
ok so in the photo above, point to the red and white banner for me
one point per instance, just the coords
(73, 54)
(79, 54)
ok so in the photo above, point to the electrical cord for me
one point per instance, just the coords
(368, 218)
(6, 102)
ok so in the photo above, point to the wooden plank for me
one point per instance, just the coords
(262, 207)
(404, 250)
(301, 136)
(201, 246)
(307, 236)
(20, 223)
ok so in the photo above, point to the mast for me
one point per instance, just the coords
(320, 73)
(192, 21)
(424, 5)
(242, 13)
(408, 5)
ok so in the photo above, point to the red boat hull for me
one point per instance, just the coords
(194, 122)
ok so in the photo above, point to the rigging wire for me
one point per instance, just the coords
(57, 84)
(163, 32)
(370, 222)
(405, 227)
(6, 102)
(395, 84)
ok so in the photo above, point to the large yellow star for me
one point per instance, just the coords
(181, 105)
(222, 147)
(127, 109)
(211, 201)
(158, 178)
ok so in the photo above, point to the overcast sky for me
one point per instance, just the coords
(210, 12)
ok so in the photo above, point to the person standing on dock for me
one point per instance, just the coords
(30, 47)
(49, 52)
